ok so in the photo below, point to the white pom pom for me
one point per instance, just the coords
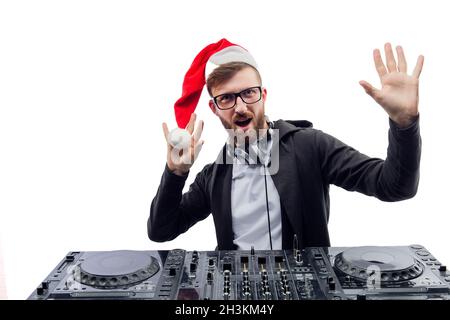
(180, 138)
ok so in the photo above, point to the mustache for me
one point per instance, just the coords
(241, 117)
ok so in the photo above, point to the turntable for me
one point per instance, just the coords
(408, 272)
(121, 274)
(390, 273)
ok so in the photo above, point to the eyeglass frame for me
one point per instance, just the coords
(236, 95)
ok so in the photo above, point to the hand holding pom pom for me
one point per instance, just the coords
(183, 146)
(179, 139)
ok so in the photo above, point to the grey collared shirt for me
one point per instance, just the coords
(248, 201)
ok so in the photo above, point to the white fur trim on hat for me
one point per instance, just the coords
(229, 54)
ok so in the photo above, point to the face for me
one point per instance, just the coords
(243, 116)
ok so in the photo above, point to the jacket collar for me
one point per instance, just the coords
(288, 126)
(284, 182)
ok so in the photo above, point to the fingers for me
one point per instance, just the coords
(191, 123)
(390, 60)
(188, 155)
(379, 65)
(197, 149)
(392, 65)
(194, 150)
(191, 150)
(166, 131)
(198, 131)
(401, 59)
(370, 90)
(418, 68)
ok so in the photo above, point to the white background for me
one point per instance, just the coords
(85, 86)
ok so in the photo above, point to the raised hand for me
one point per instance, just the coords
(399, 93)
(180, 161)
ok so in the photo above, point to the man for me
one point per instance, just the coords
(265, 211)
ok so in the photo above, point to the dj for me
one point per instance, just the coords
(264, 201)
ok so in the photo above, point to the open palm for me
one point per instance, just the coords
(399, 93)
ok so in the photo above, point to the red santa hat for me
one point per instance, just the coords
(212, 56)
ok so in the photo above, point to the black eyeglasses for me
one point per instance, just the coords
(228, 100)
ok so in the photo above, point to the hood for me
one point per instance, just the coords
(289, 126)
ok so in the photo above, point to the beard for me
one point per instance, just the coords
(251, 127)
(256, 122)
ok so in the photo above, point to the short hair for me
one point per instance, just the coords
(225, 72)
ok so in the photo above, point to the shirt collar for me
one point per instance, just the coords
(255, 153)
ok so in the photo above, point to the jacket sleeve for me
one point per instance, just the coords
(393, 179)
(171, 212)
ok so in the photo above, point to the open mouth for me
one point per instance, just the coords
(243, 123)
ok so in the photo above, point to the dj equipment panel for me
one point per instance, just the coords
(354, 273)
